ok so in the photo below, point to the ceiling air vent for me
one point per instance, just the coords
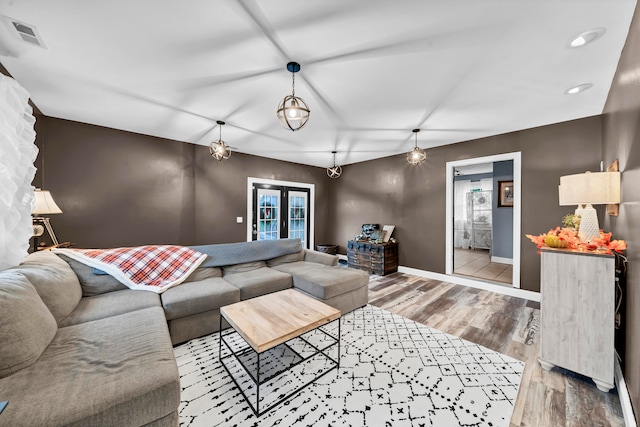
(27, 33)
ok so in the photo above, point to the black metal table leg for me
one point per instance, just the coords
(258, 387)
(339, 335)
(220, 341)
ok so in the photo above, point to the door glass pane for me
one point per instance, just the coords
(269, 209)
(298, 216)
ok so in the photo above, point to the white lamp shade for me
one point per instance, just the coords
(45, 205)
(596, 188)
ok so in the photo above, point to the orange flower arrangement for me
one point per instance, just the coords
(567, 238)
(605, 242)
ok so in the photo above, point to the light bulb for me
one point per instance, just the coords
(578, 41)
(292, 112)
(587, 37)
(578, 89)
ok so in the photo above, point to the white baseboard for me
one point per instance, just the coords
(501, 260)
(623, 394)
(500, 289)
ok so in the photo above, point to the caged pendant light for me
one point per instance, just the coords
(293, 112)
(219, 149)
(334, 171)
(417, 155)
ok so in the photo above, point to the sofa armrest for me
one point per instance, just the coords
(320, 257)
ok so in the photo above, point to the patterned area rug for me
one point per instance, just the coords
(393, 372)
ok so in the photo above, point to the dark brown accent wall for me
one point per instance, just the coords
(621, 140)
(221, 193)
(119, 188)
(390, 191)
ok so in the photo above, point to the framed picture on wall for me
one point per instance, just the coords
(505, 189)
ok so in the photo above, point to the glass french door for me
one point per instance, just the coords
(269, 218)
(280, 212)
(298, 211)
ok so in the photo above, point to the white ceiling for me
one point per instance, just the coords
(371, 70)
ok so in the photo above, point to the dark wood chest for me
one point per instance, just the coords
(380, 259)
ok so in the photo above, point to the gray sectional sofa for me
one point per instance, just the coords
(79, 348)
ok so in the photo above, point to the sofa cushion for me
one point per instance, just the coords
(242, 268)
(236, 253)
(285, 259)
(183, 329)
(322, 281)
(197, 297)
(259, 282)
(111, 304)
(27, 325)
(346, 302)
(111, 372)
(55, 281)
(92, 283)
(320, 258)
(202, 273)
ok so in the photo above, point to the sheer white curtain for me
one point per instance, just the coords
(461, 228)
(17, 154)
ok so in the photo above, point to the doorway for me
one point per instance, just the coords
(483, 234)
(280, 210)
(477, 231)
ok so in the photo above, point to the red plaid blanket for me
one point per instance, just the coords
(151, 268)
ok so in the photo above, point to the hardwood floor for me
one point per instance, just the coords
(477, 263)
(508, 325)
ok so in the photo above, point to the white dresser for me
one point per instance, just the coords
(577, 313)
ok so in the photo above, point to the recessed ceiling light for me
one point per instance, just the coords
(578, 89)
(587, 37)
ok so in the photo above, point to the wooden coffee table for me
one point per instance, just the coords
(278, 319)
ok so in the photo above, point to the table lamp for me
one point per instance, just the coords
(589, 188)
(44, 205)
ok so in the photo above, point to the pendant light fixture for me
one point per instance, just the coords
(417, 155)
(334, 171)
(219, 149)
(293, 112)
